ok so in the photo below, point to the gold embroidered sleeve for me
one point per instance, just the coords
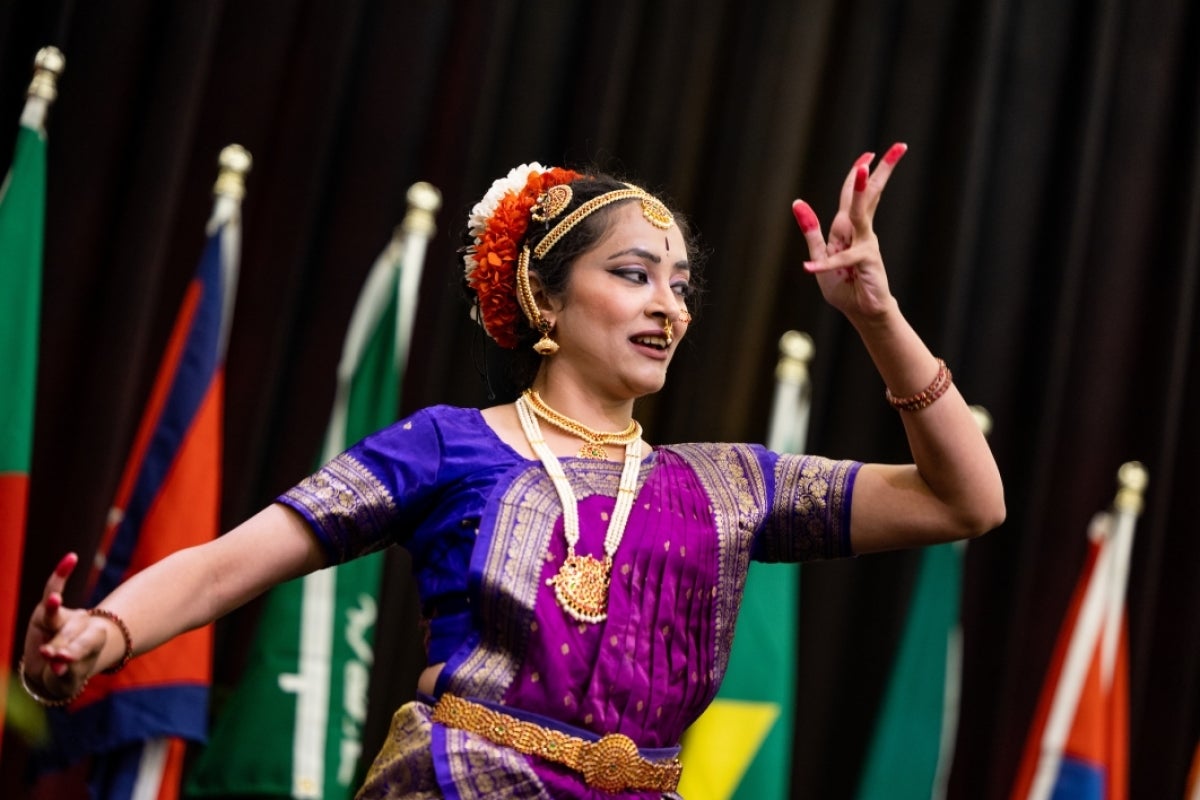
(810, 510)
(348, 507)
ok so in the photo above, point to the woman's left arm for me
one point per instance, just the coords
(952, 490)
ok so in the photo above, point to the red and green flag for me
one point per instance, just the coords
(22, 222)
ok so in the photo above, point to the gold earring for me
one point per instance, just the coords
(545, 346)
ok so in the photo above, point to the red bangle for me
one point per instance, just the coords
(120, 665)
(926, 397)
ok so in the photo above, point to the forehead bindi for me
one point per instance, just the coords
(630, 231)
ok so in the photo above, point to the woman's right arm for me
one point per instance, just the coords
(186, 590)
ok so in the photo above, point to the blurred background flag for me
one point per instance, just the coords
(135, 723)
(22, 220)
(912, 747)
(1078, 745)
(741, 747)
(293, 725)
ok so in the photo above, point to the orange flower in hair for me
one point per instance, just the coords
(498, 223)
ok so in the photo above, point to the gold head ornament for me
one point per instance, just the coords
(549, 206)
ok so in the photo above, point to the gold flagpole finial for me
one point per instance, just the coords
(233, 164)
(48, 64)
(796, 349)
(1132, 479)
(423, 202)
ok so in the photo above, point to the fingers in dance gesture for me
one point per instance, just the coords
(952, 490)
(62, 645)
(849, 267)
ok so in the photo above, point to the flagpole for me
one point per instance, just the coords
(793, 394)
(233, 164)
(418, 227)
(1100, 621)
(1127, 506)
(404, 253)
(48, 66)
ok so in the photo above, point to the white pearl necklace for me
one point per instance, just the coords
(581, 584)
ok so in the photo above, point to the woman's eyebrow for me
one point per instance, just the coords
(639, 252)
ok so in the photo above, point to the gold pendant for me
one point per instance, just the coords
(581, 587)
(593, 450)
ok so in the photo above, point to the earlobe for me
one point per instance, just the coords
(546, 308)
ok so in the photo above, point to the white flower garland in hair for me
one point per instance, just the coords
(477, 220)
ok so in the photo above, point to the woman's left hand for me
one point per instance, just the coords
(849, 267)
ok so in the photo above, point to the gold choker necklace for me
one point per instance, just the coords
(581, 583)
(594, 440)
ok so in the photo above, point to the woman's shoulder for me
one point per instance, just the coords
(455, 431)
(441, 422)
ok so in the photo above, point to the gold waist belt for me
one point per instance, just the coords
(612, 764)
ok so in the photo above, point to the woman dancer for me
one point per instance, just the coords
(580, 584)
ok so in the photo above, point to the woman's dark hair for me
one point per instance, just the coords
(554, 271)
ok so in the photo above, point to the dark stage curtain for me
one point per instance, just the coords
(1043, 234)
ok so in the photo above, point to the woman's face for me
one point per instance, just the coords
(609, 323)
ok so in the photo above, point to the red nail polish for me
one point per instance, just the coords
(895, 152)
(66, 565)
(864, 159)
(860, 179)
(805, 216)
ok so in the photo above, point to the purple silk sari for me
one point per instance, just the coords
(484, 525)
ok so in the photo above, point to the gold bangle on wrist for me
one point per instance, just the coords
(927, 396)
(46, 701)
(120, 623)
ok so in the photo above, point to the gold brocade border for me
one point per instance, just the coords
(480, 768)
(404, 765)
(526, 515)
(348, 503)
(404, 768)
(807, 515)
(734, 482)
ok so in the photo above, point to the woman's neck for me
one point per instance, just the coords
(584, 406)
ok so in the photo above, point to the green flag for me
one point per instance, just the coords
(912, 747)
(22, 221)
(910, 751)
(741, 747)
(293, 725)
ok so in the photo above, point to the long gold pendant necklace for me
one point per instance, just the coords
(581, 583)
(594, 441)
